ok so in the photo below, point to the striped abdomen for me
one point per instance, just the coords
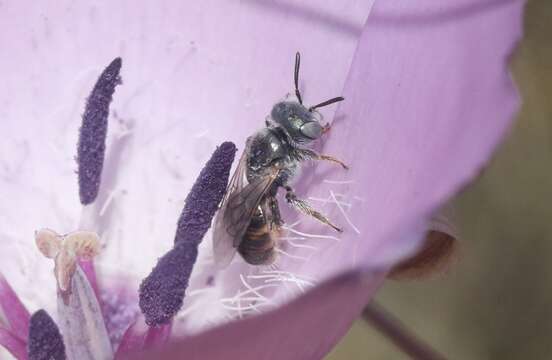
(257, 246)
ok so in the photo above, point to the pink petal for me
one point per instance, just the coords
(195, 74)
(158, 335)
(89, 270)
(133, 339)
(293, 331)
(15, 312)
(436, 102)
(428, 98)
(13, 344)
(140, 337)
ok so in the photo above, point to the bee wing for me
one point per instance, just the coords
(236, 211)
(274, 229)
(223, 242)
(242, 205)
(237, 181)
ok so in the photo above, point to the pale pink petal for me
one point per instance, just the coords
(194, 74)
(428, 98)
(435, 100)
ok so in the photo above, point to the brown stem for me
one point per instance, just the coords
(394, 330)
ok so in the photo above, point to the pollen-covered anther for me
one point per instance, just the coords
(93, 132)
(45, 341)
(206, 194)
(162, 291)
(66, 250)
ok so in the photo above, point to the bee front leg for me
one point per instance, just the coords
(307, 154)
(306, 209)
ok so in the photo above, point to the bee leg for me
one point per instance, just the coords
(306, 209)
(277, 218)
(307, 154)
(332, 159)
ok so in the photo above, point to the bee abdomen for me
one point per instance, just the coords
(257, 230)
(257, 245)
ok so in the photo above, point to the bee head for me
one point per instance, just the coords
(300, 123)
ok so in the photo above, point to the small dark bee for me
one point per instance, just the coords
(249, 219)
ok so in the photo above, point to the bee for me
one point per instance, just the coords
(249, 220)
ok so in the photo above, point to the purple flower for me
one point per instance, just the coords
(428, 97)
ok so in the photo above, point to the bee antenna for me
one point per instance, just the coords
(327, 102)
(296, 77)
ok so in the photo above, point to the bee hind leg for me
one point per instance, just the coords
(277, 218)
(306, 209)
(334, 160)
(271, 212)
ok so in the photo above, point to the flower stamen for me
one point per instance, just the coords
(65, 250)
(45, 341)
(295, 257)
(338, 182)
(308, 235)
(91, 145)
(162, 291)
(344, 213)
(329, 200)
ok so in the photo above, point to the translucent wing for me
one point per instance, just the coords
(242, 205)
(223, 242)
(240, 202)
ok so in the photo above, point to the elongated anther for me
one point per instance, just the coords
(45, 341)
(93, 132)
(162, 291)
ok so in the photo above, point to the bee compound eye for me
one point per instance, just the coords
(312, 130)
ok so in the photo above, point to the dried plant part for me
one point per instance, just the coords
(66, 250)
(48, 242)
(84, 244)
(434, 256)
(65, 266)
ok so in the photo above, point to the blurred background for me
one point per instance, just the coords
(496, 302)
